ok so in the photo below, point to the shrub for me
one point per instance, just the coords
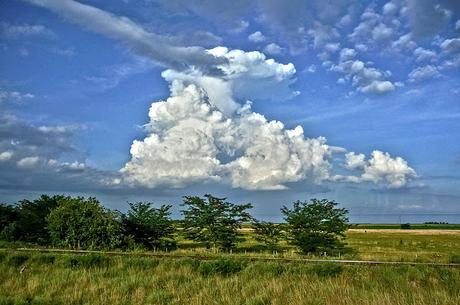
(81, 223)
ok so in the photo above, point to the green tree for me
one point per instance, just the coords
(81, 223)
(149, 226)
(316, 226)
(32, 223)
(9, 216)
(268, 233)
(214, 221)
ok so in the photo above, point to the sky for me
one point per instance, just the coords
(261, 101)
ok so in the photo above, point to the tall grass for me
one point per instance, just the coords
(98, 279)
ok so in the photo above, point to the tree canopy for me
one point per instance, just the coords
(214, 221)
(316, 226)
(149, 226)
(83, 223)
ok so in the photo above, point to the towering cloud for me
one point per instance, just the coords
(201, 132)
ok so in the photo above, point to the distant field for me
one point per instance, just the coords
(412, 226)
(429, 245)
(47, 279)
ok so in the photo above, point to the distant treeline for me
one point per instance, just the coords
(314, 226)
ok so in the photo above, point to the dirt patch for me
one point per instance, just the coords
(414, 232)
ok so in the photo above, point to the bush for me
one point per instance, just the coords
(222, 266)
(81, 223)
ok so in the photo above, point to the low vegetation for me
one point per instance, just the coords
(37, 278)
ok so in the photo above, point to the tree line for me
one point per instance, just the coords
(314, 226)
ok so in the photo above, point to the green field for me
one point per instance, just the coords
(98, 279)
(232, 278)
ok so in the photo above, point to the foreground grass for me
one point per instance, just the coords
(96, 279)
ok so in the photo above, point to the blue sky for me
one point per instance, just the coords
(151, 100)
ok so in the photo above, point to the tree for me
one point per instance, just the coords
(81, 223)
(268, 233)
(214, 221)
(31, 225)
(316, 226)
(9, 216)
(151, 227)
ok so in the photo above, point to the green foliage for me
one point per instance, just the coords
(316, 226)
(80, 223)
(268, 233)
(27, 221)
(221, 266)
(213, 220)
(148, 226)
(9, 216)
(32, 222)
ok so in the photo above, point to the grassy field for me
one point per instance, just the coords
(232, 278)
(97, 279)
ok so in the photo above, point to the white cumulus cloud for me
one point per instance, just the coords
(273, 49)
(6, 155)
(191, 140)
(379, 168)
(423, 73)
(256, 37)
(28, 162)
